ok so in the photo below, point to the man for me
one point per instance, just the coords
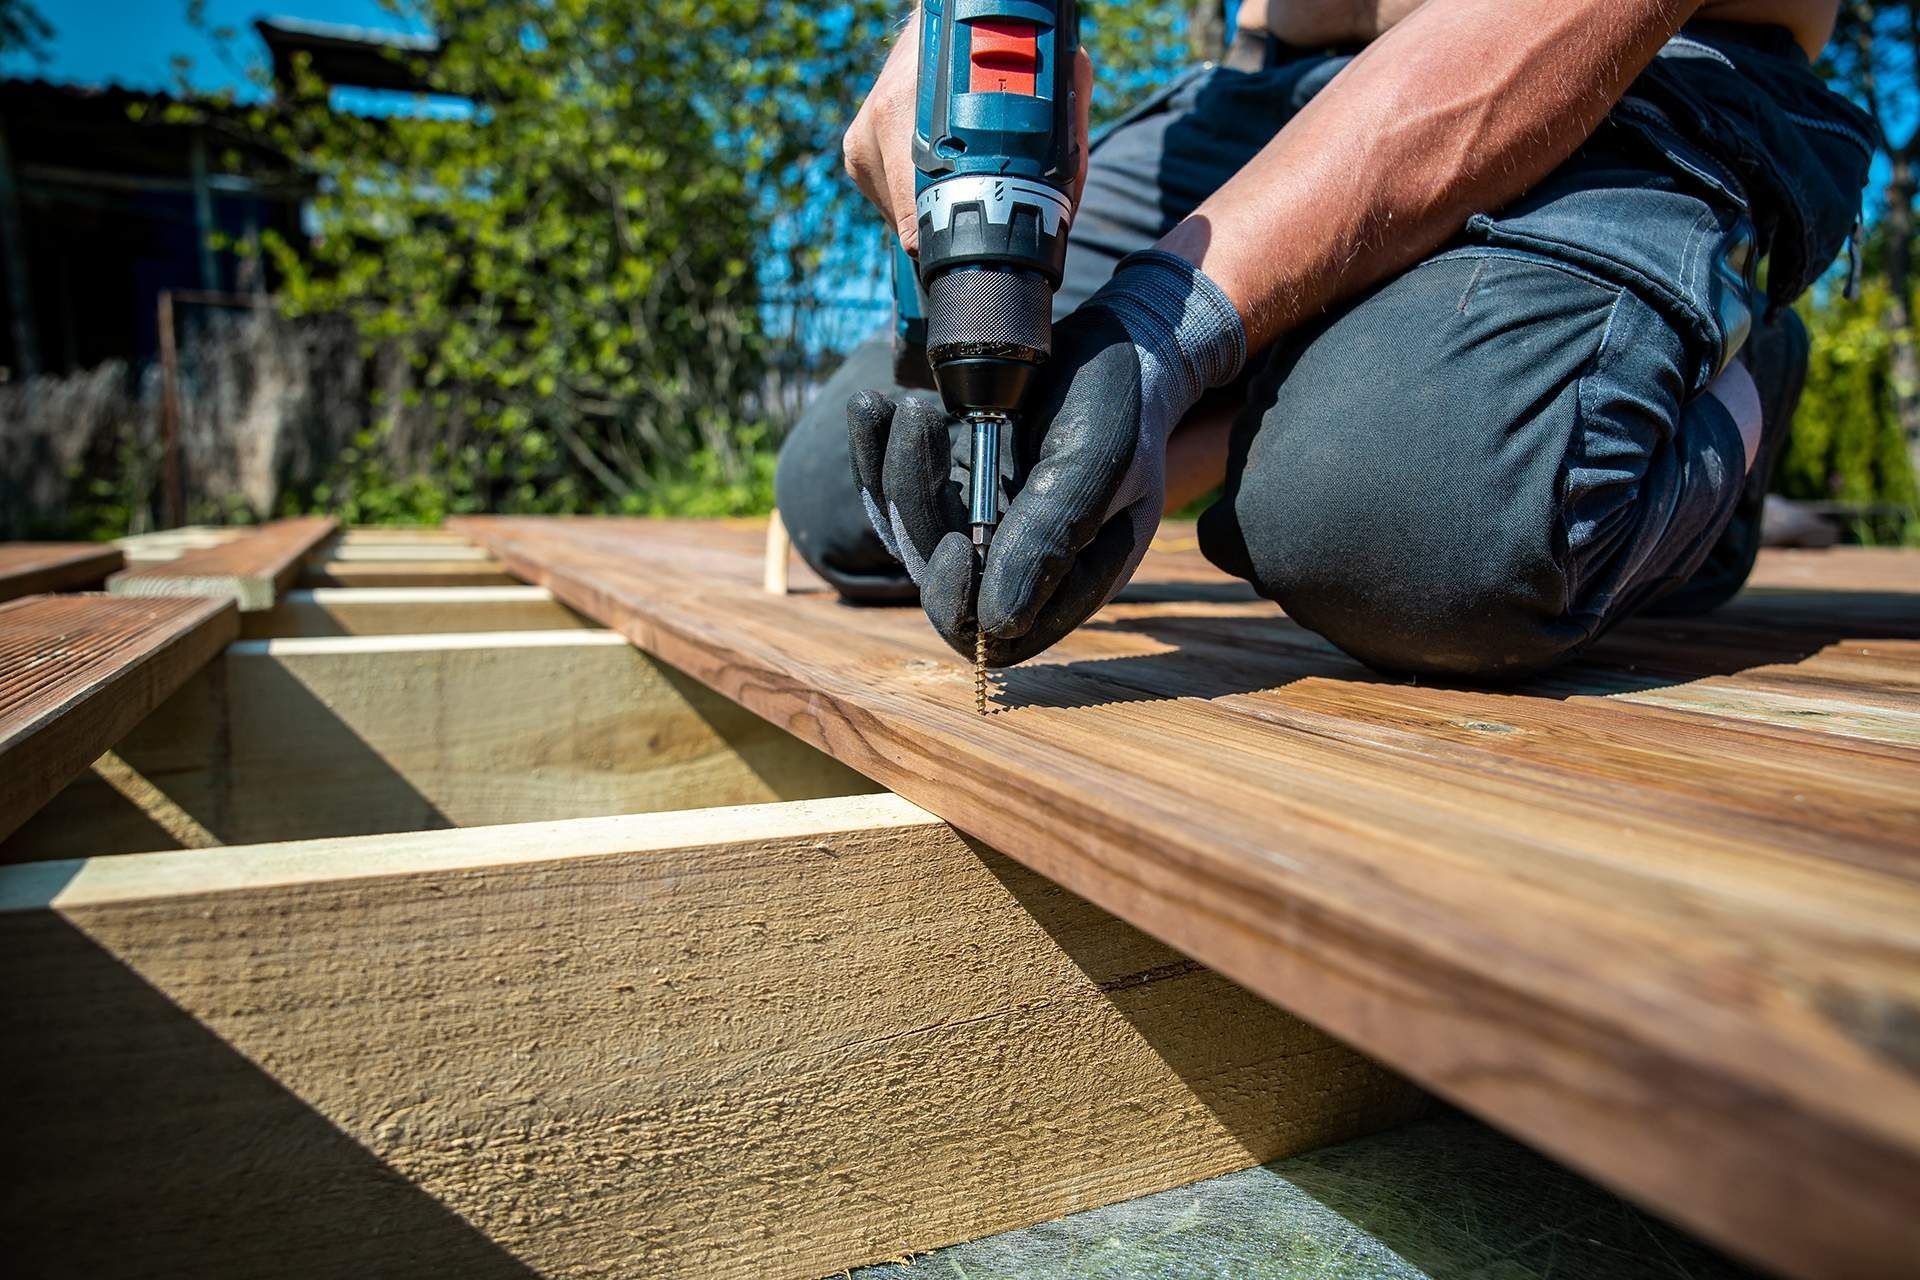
(1456, 299)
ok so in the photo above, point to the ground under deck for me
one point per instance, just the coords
(1658, 913)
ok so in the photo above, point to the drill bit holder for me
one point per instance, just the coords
(983, 508)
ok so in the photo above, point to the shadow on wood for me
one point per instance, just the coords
(93, 1195)
(1221, 1040)
(288, 767)
(1216, 656)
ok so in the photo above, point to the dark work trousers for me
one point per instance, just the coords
(1477, 467)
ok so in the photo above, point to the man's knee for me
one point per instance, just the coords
(1416, 591)
(1398, 491)
(814, 488)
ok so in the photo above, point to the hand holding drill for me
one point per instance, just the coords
(998, 144)
(1088, 464)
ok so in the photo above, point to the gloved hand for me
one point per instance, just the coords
(1089, 462)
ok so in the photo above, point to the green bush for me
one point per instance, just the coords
(1847, 445)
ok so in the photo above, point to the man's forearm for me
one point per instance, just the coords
(1457, 110)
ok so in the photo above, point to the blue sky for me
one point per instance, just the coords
(132, 42)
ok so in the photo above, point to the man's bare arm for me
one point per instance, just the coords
(1458, 109)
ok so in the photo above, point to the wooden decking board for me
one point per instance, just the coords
(1837, 569)
(1658, 913)
(33, 568)
(78, 672)
(252, 570)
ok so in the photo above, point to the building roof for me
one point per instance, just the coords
(362, 57)
(64, 131)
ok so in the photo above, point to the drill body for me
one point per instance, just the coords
(995, 157)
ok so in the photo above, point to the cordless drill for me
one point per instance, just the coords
(995, 158)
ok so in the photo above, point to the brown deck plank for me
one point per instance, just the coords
(1658, 913)
(252, 570)
(32, 568)
(77, 672)
(1839, 569)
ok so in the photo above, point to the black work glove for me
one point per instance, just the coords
(1089, 463)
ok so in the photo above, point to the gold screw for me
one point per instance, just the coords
(979, 670)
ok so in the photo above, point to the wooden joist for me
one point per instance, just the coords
(335, 572)
(252, 570)
(389, 611)
(34, 568)
(354, 735)
(77, 672)
(772, 1042)
(403, 559)
(348, 551)
(1658, 912)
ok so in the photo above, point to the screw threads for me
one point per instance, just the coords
(980, 671)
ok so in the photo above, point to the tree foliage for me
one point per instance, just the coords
(1847, 446)
(567, 234)
(1874, 58)
(584, 236)
(1135, 48)
(23, 29)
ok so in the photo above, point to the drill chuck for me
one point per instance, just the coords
(987, 328)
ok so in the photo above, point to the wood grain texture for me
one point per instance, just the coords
(771, 1042)
(252, 570)
(1837, 569)
(1658, 913)
(36, 568)
(357, 735)
(390, 611)
(77, 672)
